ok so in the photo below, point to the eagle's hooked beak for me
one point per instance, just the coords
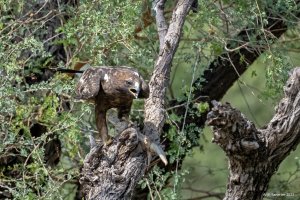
(135, 90)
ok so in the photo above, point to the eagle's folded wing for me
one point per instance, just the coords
(89, 83)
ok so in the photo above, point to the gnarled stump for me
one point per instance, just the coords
(111, 172)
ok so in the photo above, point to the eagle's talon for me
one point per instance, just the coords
(108, 141)
(130, 124)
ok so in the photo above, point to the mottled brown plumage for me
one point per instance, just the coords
(111, 88)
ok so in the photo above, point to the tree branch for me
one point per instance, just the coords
(254, 155)
(161, 24)
(155, 104)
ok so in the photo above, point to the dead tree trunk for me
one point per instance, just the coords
(112, 172)
(255, 154)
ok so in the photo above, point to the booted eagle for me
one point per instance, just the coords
(111, 88)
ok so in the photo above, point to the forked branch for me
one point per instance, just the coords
(255, 154)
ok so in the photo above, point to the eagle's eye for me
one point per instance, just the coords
(129, 82)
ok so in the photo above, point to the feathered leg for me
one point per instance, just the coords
(102, 125)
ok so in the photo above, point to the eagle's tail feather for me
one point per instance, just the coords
(72, 71)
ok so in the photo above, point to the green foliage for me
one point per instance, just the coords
(35, 36)
(157, 179)
(202, 107)
(103, 33)
(277, 73)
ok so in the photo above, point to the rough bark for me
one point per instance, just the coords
(161, 23)
(155, 104)
(112, 172)
(255, 154)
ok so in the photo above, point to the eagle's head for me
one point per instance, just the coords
(127, 82)
(133, 87)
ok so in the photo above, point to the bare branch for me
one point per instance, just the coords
(155, 104)
(162, 26)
